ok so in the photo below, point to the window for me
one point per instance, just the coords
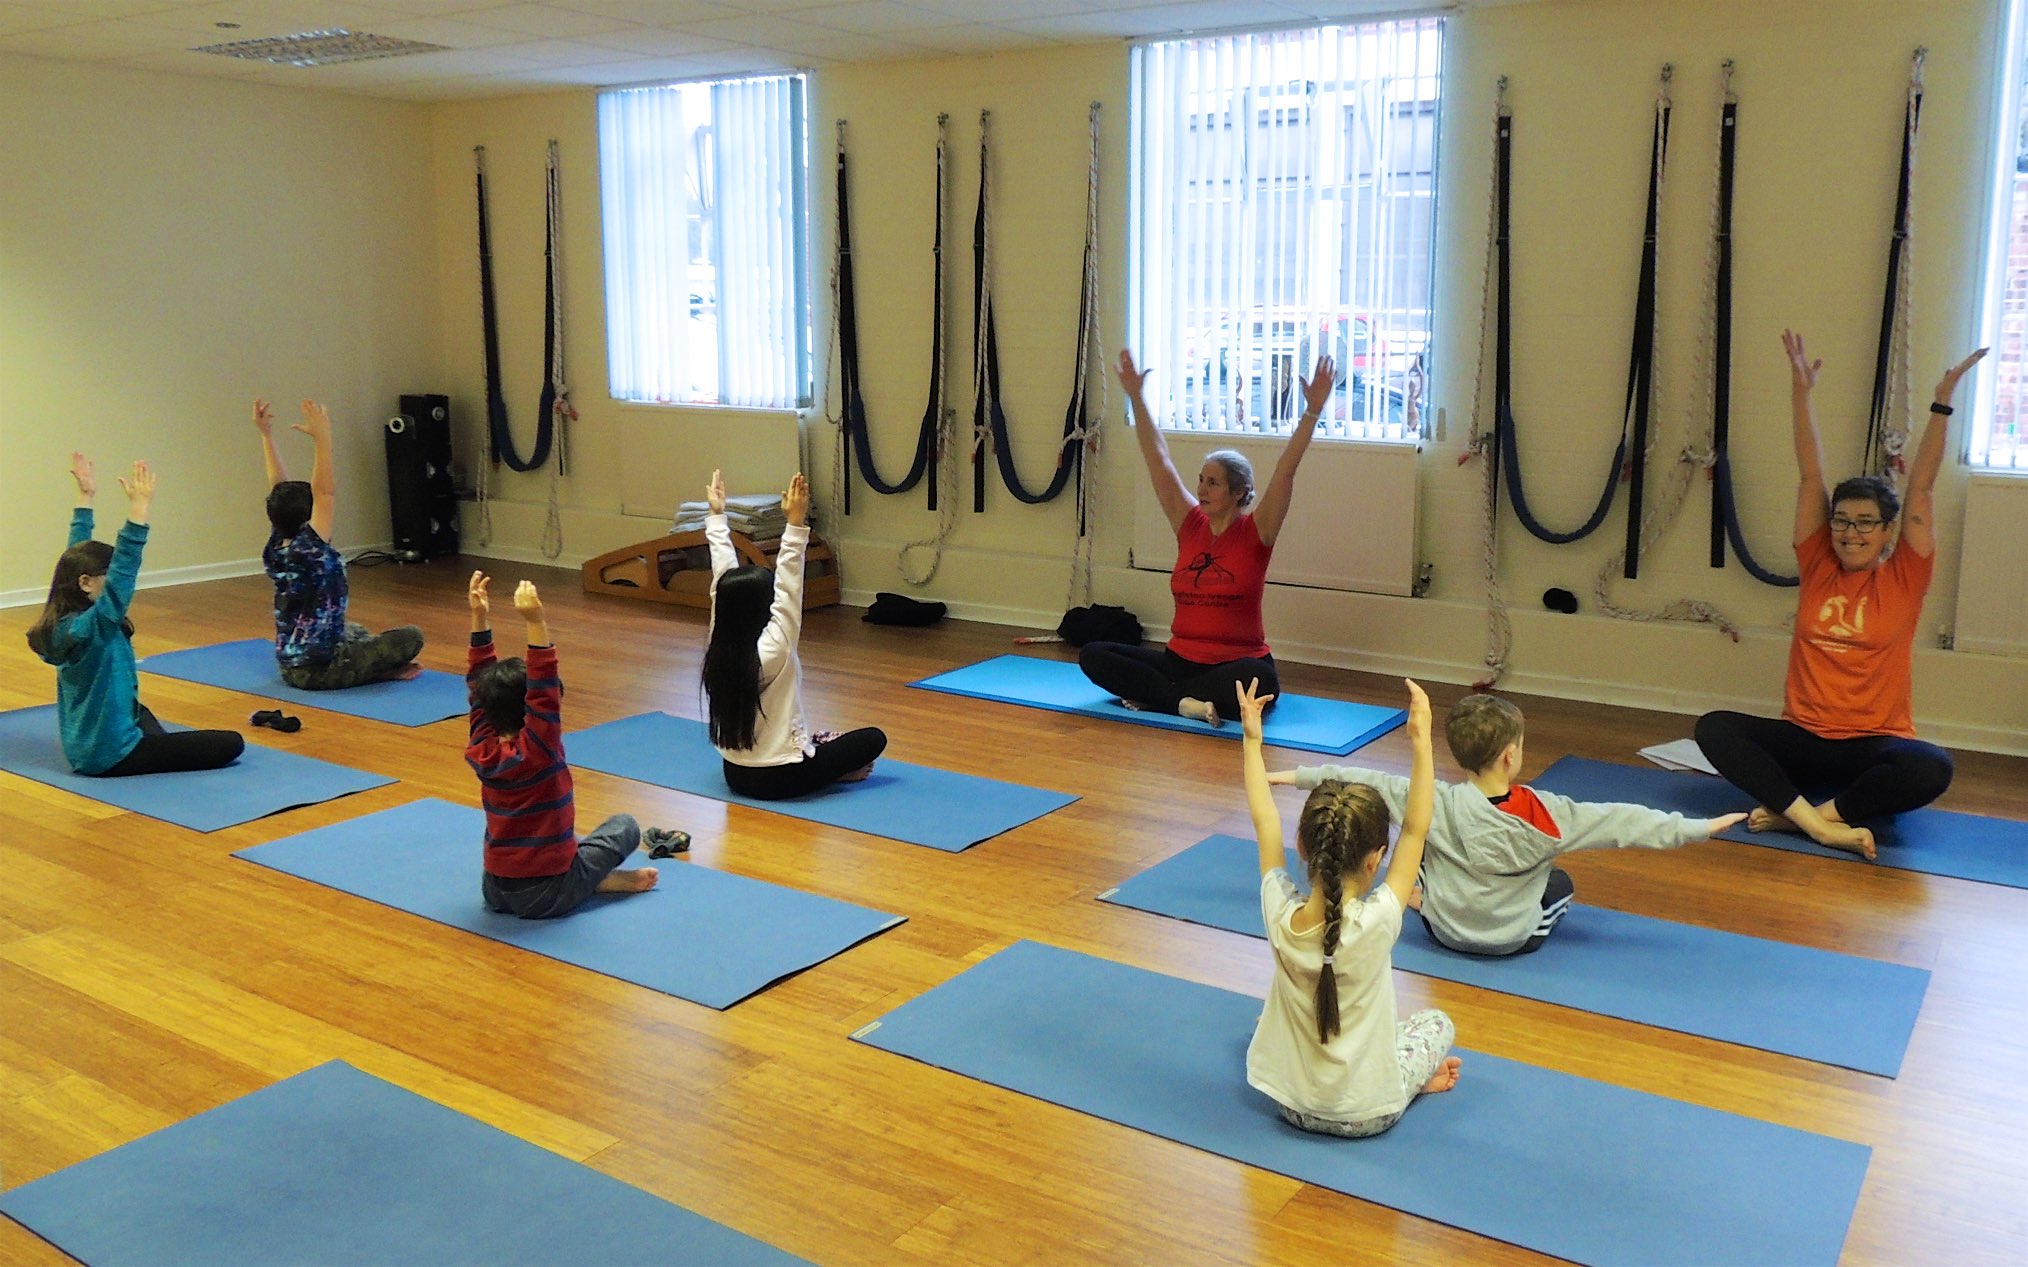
(1284, 206)
(1997, 436)
(707, 276)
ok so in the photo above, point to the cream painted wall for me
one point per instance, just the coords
(629, 464)
(169, 248)
(1821, 90)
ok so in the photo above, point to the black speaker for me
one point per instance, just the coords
(420, 493)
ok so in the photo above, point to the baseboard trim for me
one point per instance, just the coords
(152, 579)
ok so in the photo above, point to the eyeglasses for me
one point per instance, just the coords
(1864, 527)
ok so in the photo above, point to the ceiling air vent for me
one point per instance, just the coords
(319, 48)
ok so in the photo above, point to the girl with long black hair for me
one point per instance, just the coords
(752, 675)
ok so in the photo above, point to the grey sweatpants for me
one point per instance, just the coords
(363, 657)
(548, 896)
(1420, 1044)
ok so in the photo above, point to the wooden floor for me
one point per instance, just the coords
(146, 976)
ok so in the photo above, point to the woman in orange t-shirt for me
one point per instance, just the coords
(1223, 545)
(1845, 726)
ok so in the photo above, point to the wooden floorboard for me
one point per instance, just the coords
(146, 976)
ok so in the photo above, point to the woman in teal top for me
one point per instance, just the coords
(85, 633)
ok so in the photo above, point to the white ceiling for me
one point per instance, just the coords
(497, 48)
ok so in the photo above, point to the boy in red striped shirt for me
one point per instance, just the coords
(535, 865)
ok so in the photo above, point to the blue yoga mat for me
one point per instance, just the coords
(1817, 1004)
(249, 666)
(262, 782)
(1302, 722)
(913, 803)
(699, 934)
(1932, 841)
(1563, 1165)
(335, 1166)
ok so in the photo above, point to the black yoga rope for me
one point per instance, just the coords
(989, 422)
(857, 427)
(1877, 457)
(501, 437)
(1640, 360)
(1724, 507)
(1641, 365)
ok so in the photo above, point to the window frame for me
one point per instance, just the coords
(1343, 428)
(799, 239)
(2010, 68)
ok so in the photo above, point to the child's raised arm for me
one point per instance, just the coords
(316, 424)
(529, 604)
(480, 603)
(1260, 800)
(271, 457)
(1406, 864)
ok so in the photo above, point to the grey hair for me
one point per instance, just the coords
(1238, 473)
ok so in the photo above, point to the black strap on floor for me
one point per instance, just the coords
(989, 421)
(1724, 508)
(1640, 359)
(500, 437)
(1877, 456)
(858, 429)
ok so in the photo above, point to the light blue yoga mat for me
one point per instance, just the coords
(913, 803)
(249, 666)
(262, 782)
(1302, 722)
(336, 1167)
(1563, 1165)
(1817, 1004)
(703, 935)
(1932, 841)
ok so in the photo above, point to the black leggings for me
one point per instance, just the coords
(165, 752)
(1871, 778)
(833, 759)
(1160, 680)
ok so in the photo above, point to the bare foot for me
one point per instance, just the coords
(857, 776)
(1445, 1077)
(1857, 840)
(637, 880)
(1415, 898)
(1199, 710)
(1764, 819)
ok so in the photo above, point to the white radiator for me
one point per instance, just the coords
(1992, 584)
(1351, 526)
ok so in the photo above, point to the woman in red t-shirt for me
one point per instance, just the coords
(1845, 726)
(1223, 544)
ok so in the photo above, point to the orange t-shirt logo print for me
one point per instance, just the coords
(1831, 617)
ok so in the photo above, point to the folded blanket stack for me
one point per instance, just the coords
(757, 517)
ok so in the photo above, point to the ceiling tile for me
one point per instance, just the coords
(655, 12)
(876, 17)
(649, 42)
(545, 20)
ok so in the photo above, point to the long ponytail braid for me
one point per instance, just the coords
(1342, 825)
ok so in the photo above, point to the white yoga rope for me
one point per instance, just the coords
(1499, 628)
(1091, 352)
(947, 423)
(1694, 456)
(562, 410)
(1896, 426)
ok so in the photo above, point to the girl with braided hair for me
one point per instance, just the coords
(1328, 1049)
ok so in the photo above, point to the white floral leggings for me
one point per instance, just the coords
(1420, 1044)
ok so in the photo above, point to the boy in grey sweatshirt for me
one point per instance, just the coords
(1489, 883)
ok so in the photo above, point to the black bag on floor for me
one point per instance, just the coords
(1099, 624)
(900, 609)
